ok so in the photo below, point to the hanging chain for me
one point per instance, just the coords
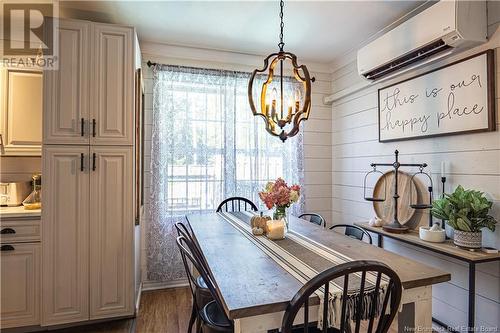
(281, 44)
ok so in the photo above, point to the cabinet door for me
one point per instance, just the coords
(111, 239)
(66, 90)
(113, 85)
(21, 112)
(20, 282)
(65, 234)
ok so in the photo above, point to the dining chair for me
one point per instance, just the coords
(353, 231)
(314, 218)
(379, 318)
(211, 316)
(236, 204)
(202, 293)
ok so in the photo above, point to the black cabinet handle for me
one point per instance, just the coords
(7, 248)
(81, 161)
(93, 127)
(6, 231)
(93, 161)
(82, 127)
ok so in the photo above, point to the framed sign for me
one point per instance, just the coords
(454, 99)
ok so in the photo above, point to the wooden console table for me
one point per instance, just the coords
(447, 249)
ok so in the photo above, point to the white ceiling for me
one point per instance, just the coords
(317, 31)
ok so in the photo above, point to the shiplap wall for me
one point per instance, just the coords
(317, 130)
(472, 160)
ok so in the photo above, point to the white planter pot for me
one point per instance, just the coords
(468, 240)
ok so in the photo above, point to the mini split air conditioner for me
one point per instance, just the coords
(438, 31)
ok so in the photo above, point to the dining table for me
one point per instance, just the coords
(255, 290)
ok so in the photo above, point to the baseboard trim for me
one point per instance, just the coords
(155, 285)
(138, 299)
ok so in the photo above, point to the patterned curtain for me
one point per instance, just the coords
(206, 146)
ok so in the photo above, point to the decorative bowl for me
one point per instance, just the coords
(432, 236)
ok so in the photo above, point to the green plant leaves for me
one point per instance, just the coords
(465, 210)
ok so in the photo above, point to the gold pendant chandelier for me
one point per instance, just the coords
(282, 121)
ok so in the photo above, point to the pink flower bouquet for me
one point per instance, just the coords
(279, 194)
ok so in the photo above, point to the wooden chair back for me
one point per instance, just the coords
(323, 279)
(189, 257)
(236, 204)
(354, 231)
(314, 218)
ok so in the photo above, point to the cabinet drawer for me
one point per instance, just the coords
(20, 230)
(20, 285)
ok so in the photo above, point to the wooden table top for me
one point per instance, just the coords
(446, 248)
(251, 283)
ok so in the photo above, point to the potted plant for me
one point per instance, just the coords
(467, 212)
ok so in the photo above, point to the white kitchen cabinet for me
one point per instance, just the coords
(20, 112)
(88, 233)
(88, 208)
(111, 239)
(66, 94)
(113, 87)
(90, 98)
(65, 237)
(20, 284)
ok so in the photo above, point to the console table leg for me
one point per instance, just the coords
(472, 296)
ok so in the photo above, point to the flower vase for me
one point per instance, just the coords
(280, 214)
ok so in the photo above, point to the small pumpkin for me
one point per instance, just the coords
(257, 231)
(259, 221)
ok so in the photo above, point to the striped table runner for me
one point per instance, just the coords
(304, 258)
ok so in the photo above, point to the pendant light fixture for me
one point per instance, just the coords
(284, 100)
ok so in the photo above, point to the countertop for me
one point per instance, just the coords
(19, 211)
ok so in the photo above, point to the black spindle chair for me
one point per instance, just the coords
(202, 293)
(353, 231)
(314, 218)
(211, 316)
(235, 204)
(323, 279)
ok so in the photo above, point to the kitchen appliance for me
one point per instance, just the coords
(13, 194)
(34, 200)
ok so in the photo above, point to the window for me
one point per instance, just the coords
(207, 146)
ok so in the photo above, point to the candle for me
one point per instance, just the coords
(442, 169)
(275, 229)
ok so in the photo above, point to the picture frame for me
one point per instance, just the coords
(430, 110)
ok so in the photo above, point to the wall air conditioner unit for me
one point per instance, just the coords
(443, 28)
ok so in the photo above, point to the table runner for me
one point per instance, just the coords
(304, 258)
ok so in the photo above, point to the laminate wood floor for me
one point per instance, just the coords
(161, 311)
(164, 311)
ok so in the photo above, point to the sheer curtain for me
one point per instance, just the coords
(206, 146)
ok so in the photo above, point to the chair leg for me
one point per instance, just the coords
(192, 319)
(198, 325)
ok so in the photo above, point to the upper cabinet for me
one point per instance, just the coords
(66, 103)
(20, 112)
(113, 87)
(90, 98)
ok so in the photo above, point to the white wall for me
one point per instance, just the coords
(317, 130)
(473, 160)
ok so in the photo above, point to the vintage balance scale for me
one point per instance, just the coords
(395, 226)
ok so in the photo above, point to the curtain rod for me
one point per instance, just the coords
(151, 64)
